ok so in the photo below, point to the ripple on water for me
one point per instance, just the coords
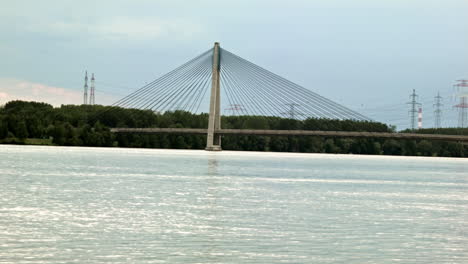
(95, 205)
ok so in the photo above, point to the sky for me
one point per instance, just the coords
(365, 54)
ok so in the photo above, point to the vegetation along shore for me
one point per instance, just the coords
(89, 125)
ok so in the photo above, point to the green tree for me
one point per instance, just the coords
(424, 148)
(21, 130)
(58, 134)
(330, 146)
(392, 147)
(3, 129)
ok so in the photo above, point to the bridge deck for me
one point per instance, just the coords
(262, 132)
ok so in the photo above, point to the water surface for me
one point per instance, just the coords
(110, 205)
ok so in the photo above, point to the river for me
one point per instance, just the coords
(114, 205)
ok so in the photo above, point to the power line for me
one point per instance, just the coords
(259, 91)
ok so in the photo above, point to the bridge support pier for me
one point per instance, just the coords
(213, 141)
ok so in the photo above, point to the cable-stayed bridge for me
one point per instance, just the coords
(247, 90)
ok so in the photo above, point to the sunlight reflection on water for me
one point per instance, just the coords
(94, 205)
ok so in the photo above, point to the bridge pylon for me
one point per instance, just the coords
(213, 141)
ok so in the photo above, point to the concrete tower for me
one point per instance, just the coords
(213, 141)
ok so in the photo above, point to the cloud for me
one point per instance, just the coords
(126, 29)
(12, 89)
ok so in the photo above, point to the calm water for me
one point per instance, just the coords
(92, 205)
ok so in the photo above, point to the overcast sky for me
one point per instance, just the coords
(365, 54)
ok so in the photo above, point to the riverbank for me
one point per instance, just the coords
(27, 141)
(89, 125)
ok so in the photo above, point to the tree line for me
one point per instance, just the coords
(89, 125)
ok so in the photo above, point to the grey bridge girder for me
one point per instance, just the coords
(261, 132)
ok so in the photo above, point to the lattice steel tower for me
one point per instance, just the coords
(413, 111)
(85, 95)
(292, 112)
(93, 87)
(437, 112)
(462, 93)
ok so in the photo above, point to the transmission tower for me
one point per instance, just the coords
(292, 112)
(93, 87)
(85, 95)
(235, 108)
(462, 89)
(437, 112)
(413, 111)
(419, 118)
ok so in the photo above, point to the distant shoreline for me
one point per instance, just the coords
(32, 123)
(248, 152)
